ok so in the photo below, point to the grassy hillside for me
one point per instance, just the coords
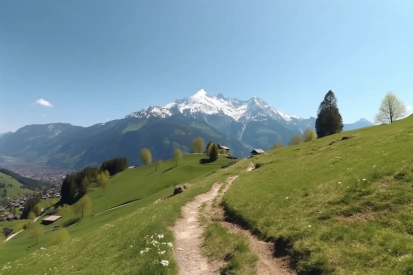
(15, 190)
(339, 205)
(111, 242)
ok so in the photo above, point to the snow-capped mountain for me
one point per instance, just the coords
(253, 121)
(254, 109)
(153, 111)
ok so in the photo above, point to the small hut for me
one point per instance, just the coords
(257, 152)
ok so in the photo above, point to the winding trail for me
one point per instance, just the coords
(188, 233)
(188, 237)
(15, 234)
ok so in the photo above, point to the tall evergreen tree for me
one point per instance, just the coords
(214, 152)
(329, 120)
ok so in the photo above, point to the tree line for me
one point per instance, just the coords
(75, 185)
(3, 185)
(329, 120)
(198, 147)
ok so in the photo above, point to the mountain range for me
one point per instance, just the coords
(240, 125)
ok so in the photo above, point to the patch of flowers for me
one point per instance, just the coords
(7, 266)
(108, 225)
(164, 262)
(154, 243)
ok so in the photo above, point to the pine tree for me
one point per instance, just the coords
(329, 120)
(213, 153)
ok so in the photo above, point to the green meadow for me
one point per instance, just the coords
(15, 190)
(115, 242)
(342, 204)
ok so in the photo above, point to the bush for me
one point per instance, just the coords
(277, 145)
(61, 236)
(309, 135)
(297, 139)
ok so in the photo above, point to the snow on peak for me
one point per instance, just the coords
(203, 103)
(200, 94)
(153, 111)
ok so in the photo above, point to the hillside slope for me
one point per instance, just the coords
(11, 188)
(339, 205)
(111, 242)
(74, 147)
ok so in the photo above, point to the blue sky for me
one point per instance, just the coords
(99, 60)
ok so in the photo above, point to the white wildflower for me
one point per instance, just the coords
(170, 244)
(160, 236)
(162, 252)
(164, 262)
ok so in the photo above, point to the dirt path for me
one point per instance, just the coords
(267, 264)
(15, 234)
(188, 233)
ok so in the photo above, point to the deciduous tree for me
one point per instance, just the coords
(329, 120)
(36, 230)
(296, 139)
(103, 180)
(61, 236)
(177, 157)
(146, 156)
(158, 164)
(198, 145)
(309, 135)
(84, 206)
(391, 109)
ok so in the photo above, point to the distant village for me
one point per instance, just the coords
(51, 175)
(10, 209)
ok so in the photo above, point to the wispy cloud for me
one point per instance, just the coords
(44, 103)
(44, 115)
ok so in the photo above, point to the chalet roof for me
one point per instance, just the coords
(223, 147)
(52, 218)
(7, 231)
(258, 151)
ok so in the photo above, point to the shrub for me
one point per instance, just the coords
(61, 236)
(297, 139)
(309, 135)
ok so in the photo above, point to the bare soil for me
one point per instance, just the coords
(188, 233)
